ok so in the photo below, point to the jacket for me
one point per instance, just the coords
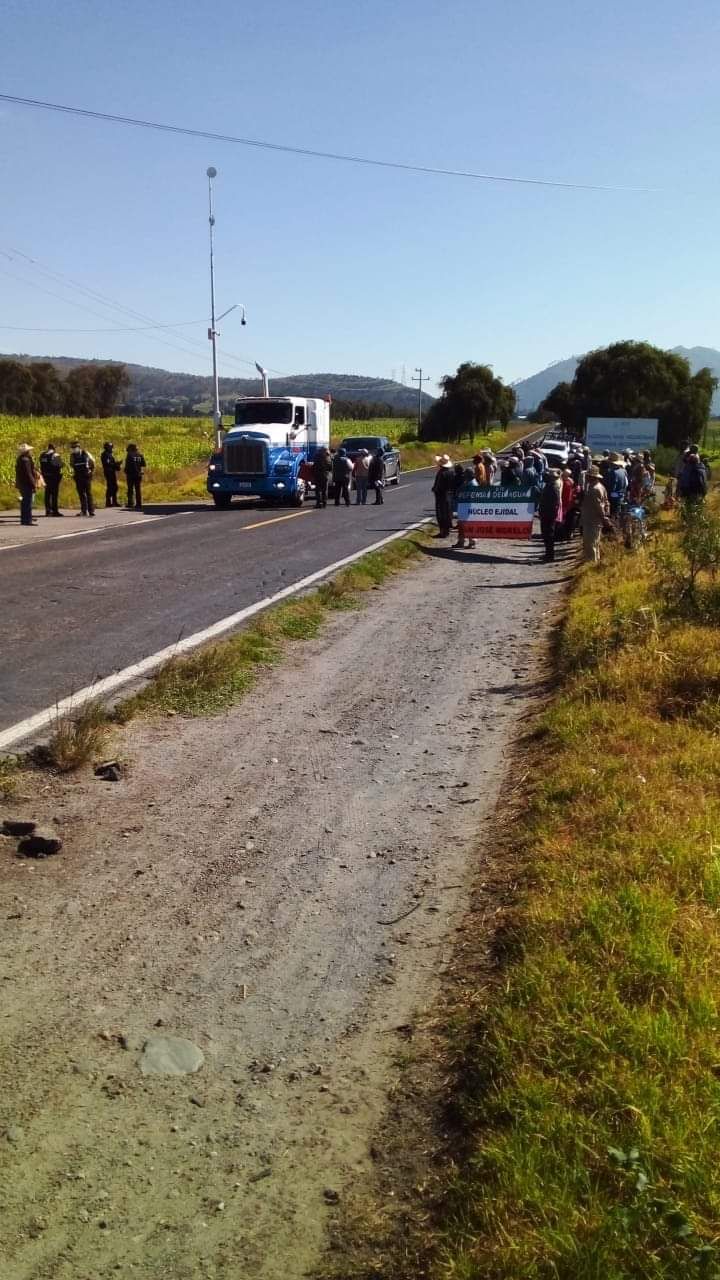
(550, 501)
(321, 466)
(25, 473)
(616, 481)
(81, 460)
(376, 470)
(109, 462)
(362, 466)
(444, 482)
(341, 469)
(134, 464)
(594, 506)
(692, 481)
(51, 466)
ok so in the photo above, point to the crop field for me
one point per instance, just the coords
(176, 449)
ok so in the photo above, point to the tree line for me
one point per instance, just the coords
(634, 380)
(471, 399)
(87, 391)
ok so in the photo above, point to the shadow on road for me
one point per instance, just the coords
(177, 508)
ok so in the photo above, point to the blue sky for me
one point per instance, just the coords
(347, 268)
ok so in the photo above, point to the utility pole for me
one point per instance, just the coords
(420, 379)
(212, 331)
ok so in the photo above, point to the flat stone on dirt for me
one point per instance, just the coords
(41, 844)
(170, 1056)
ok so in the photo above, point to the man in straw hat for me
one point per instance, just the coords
(26, 482)
(592, 515)
(443, 488)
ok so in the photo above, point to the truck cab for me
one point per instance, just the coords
(268, 452)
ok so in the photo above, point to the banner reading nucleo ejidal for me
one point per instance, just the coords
(492, 511)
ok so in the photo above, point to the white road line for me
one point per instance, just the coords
(110, 684)
(100, 528)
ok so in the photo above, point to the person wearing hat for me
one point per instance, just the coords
(26, 482)
(110, 465)
(593, 513)
(443, 489)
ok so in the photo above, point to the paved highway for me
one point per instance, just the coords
(77, 609)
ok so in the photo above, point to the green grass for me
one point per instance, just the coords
(177, 450)
(588, 1072)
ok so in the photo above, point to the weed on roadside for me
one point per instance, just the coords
(76, 739)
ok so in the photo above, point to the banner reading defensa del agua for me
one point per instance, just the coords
(492, 511)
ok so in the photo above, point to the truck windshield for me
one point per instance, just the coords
(351, 443)
(251, 412)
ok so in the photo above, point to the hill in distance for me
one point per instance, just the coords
(152, 390)
(531, 391)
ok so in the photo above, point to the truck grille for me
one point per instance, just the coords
(244, 458)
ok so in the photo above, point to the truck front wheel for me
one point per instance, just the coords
(222, 500)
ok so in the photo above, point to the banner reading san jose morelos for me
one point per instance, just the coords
(492, 511)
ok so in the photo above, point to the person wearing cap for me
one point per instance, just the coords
(26, 482)
(443, 489)
(362, 471)
(51, 469)
(82, 465)
(376, 475)
(110, 465)
(593, 514)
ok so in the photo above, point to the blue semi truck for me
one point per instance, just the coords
(268, 453)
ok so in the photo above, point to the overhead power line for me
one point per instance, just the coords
(308, 151)
(142, 328)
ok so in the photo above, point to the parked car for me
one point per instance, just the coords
(353, 444)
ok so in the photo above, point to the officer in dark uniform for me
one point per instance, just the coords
(321, 466)
(82, 465)
(110, 466)
(51, 469)
(134, 467)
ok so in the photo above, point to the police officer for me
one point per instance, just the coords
(342, 475)
(110, 466)
(51, 469)
(134, 467)
(321, 466)
(82, 465)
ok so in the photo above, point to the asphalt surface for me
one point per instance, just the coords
(76, 609)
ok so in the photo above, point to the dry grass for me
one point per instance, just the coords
(588, 1076)
(75, 740)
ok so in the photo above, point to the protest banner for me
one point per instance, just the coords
(617, 434)
(493, 511)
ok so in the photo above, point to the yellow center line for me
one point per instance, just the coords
(275, 520)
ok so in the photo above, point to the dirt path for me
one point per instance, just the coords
(230, 891)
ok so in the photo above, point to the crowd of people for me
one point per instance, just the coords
(589, 494)
(368, 472)
(46, 476)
